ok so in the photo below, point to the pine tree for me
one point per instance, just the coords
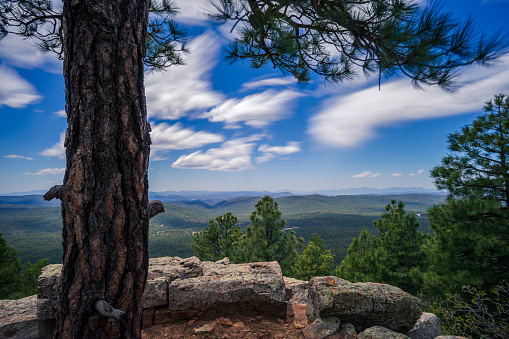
(336, 39)
(471, 245)
(266, 240)
(9, 268)
(395, 257)
(314, 260)
(219, 239)
(364, 260)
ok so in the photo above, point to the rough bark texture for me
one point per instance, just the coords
(105, 188)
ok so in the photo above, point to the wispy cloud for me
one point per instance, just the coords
(175, 137)
(367, 174)
(271, 82)
(15, 91)
(271, 152)
(173, 93)
(256, 110)
(233, 155)
(61, 113)
(419, 172)
(23, 53)
(48, 171)
(354, 118)
(57, 150)
(194, 12)
(15, 156)
(396, 174)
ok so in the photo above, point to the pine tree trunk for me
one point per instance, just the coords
(105, 188)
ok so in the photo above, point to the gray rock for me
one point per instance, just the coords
(363, 304)
(379, 332)
(174, 268)
(450, 337)
(322, 328)
(254, 288)
(224, 261)
(347, 331)
(18, 318)
(427, 327)
(156, 292)
(293, 286)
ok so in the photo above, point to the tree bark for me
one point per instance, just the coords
(105, 189)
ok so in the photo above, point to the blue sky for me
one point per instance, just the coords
(226, 127)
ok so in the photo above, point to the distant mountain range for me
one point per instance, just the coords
(213, 197)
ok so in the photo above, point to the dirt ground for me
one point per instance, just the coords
(235, 327)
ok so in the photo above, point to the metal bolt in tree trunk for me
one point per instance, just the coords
(105, 189)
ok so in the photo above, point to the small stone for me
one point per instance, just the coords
(239, 325)
(204, 330)
(225, 322)
(191, 322)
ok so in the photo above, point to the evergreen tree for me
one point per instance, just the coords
(314, 260)
(478, 165)
(218, 240)
(17, 281)
(335, 39)
(471, 245)
(27, 282)
(395, 257)
(266, 240)
(364, 260)
(9, 268)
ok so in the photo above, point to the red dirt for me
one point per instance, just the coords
(235, 327)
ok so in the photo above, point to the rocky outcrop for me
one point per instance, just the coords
(18, 318)
(188, 289)
(363, 304)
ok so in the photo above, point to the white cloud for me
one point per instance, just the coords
(270, 152)
(367, 174)
(48, 171)
(15, 156)
(354, 118)
(289, 80)
(194, 12)
(174, 92)
(175, 137)
(419, 172)
(61, 113)
(15, 91)
(57, 150)
(256, 110)
(233, 155)
(23, 53)
(396, 174)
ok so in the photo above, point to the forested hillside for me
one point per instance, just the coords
(35, 230)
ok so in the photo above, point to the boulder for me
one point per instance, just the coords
(379, 332)
(363, 304)
(253, 288)
(322, 328)
(428, 326)
(347, 331)
(18, 318)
